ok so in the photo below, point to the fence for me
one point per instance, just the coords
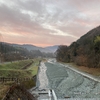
(17, 80)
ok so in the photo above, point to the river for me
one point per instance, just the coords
(67, 82)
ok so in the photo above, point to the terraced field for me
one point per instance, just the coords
(15, 70)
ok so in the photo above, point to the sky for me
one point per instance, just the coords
(47, 22)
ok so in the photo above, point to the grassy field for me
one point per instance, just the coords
(92, 71)
(15, 65)
(34, 67)
(14, 69)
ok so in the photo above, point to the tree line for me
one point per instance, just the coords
(83, 52)
(10, 53)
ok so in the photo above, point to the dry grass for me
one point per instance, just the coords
(4, 88)
(28, 84)
(44, 60)
(92, 71)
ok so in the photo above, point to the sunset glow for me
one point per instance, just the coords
(47, 22)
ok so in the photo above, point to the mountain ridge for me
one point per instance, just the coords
(84, 52)
(48, 49)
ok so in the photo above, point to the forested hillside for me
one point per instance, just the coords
(85, 51)
(11, 53)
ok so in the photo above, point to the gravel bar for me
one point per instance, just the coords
(69, 84)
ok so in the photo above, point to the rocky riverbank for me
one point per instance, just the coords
(69, 84)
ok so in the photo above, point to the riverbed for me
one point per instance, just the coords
(70, 84)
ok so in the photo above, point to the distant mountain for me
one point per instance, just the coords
(52, 48)
(85, 51)
(30, 47)
(13, 52)
(49, 49)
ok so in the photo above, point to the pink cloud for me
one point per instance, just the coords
(68, 17)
